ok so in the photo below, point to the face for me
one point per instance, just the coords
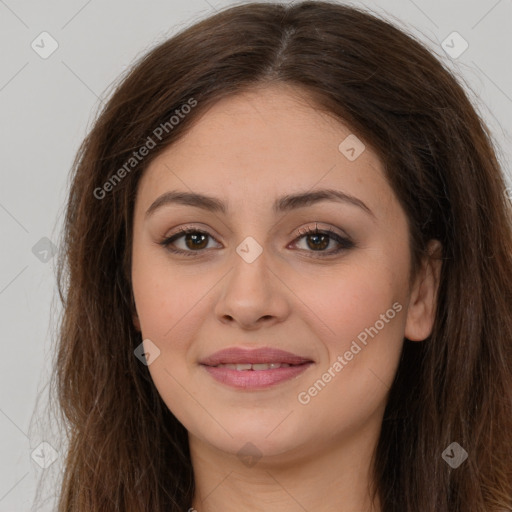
(326, 279)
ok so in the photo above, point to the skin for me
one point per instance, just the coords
(248, 150)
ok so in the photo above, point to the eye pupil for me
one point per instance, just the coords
(196, 240)
(316, 237)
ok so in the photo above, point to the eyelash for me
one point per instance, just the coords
(345, 243)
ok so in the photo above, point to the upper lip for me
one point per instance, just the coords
(235, 355)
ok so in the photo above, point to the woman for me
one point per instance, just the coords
(287, 278)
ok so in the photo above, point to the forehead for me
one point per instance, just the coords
(260, 144)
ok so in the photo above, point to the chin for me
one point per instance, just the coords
(260, 439)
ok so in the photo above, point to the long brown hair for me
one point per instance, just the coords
(126, 451)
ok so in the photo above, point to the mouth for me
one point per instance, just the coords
(255, 356)
(256, 368)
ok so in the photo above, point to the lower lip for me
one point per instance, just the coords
(255, 379)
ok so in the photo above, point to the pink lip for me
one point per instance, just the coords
(251, 379)
(235, 355)
(254, 379)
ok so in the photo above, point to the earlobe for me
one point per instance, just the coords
(423, 300)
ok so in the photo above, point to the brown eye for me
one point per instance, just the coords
(318, 240)
(194, 242)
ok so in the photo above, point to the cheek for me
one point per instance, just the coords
(353, 298)
(361, 315)
(172, 302)
(159, 294)
(364, 312)
(168, 306)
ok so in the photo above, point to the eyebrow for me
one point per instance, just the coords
(283, 204)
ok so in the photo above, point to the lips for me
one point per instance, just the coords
(259, 356)
(254, 369)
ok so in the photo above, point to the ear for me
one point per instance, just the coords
(423, 300)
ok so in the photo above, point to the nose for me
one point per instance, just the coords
(252, 295)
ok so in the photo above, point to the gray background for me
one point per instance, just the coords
(47, 106)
